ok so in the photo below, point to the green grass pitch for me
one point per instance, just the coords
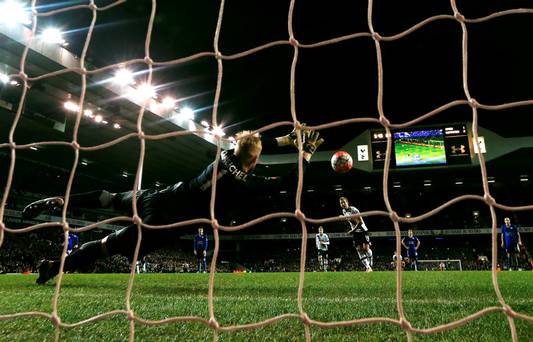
(405, 155)
(430, 299)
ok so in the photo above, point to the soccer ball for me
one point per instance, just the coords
(341, 162)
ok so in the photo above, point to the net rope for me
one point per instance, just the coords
(212, 322)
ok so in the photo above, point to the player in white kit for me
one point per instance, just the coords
(322, 246)
(359, 232)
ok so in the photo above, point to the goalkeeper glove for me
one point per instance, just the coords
(291, 138)
(311, 143)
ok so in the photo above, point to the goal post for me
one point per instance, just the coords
(440, 265)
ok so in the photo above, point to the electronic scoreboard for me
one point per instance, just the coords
(423, 146)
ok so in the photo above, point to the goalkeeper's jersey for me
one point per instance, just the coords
(324, 238)
(352, 211)
(191, 199)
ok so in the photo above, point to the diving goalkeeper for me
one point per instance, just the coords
(178, 202)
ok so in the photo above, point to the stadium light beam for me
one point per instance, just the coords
(13, 13)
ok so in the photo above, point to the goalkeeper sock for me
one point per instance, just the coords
(92, 199)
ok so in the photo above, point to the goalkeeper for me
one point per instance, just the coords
(178, 202)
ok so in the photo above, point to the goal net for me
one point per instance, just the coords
(439, 265)
(82, 70)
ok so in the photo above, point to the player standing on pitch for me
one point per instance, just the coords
(359, 232)
(511, 241)
(181, 201)
(200, 250)
(322, 246)
(72, 242)
(411, 243)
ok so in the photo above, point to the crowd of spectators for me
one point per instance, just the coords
(21, 253)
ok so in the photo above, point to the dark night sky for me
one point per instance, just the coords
(421, 71)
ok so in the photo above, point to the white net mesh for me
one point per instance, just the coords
(212, 322)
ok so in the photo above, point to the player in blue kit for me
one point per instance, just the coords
(511, 242)
(200, 249)
(181, 201)
(411, 243)
(73, 242)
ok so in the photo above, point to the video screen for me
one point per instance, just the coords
(420, 147)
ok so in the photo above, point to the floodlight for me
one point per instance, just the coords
(146, 91)
(123, 77)
(98, 118)
(71, 106)
(187, 113)
(52, 35)
(169, 102)
(217, 131)
(4, 78)
(116, 125)
(13, 13)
